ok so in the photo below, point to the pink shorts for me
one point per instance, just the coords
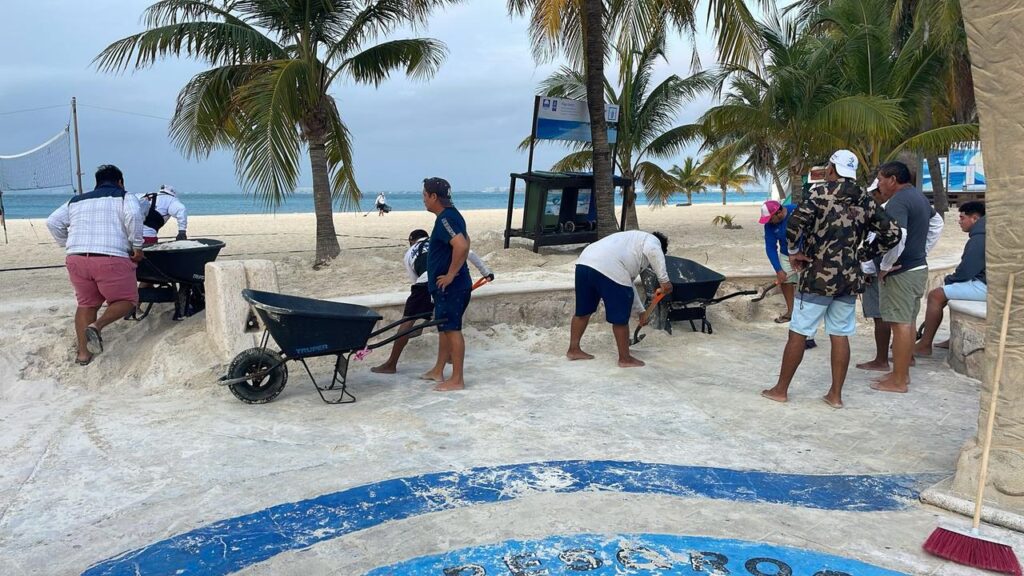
(99, 279)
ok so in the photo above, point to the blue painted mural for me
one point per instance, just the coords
(229, 545)
(639, 554)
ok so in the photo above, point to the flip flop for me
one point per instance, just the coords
(809, 344)
(85, 362)
(782, 319)
(93, 340)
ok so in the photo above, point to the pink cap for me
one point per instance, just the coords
(768, 209)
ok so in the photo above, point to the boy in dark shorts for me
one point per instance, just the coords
(419, 301)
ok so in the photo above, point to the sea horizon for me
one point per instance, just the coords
(39, 204)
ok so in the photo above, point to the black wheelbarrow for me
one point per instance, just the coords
(693, 290)
(307, 328)
(175, 276)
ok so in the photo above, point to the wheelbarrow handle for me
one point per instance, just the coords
(733, 295)
(401, 333)
(398, 322)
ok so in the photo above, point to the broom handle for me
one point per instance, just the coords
(982, 476)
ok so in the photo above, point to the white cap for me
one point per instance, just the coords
(845, 163)
(873, 186)
(167, 189)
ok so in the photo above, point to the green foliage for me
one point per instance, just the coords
(725, 221)
(266, 95)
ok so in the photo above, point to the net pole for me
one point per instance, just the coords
(78, 155)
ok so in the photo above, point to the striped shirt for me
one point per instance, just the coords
(103, 221)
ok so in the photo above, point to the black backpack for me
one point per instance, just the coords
(419, 260)
(153, 218)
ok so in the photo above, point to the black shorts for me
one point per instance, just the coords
(418, 301)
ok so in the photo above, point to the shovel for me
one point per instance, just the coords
(764, 292)
(637, 336)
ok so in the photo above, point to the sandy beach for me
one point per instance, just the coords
(143, 446)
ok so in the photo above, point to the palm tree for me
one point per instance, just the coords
(690, 179)
(725, 172)
(577, 29)
(646, 120)
(266, 93)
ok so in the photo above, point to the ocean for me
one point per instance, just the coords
(41, 204)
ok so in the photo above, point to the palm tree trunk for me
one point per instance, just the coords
(689, 197)
(778, 185)
(629, 201)
(723, 195)
(939, 196)
(604, 190)
(796, 186)
(327, 247)
(998, 64)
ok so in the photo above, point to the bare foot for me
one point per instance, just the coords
(432, 376)
(913, 361)
(630, 362)
(944, 345)
(771, 394)
(889, 383)
(384, 369)
(449, 385)
(922, 351)
(836, 403)
(874, 365)
(578, 355)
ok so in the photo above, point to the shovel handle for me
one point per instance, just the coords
(480, 282)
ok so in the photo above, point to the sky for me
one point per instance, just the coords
(464, 124)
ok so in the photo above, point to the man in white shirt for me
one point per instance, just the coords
(382, 204)
(102, 233)
(419, 305)
(157, 208)
(605, 272)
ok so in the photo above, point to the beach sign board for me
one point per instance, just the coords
(564, 119)
(963, 170)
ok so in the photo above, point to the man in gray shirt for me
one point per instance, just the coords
(904, 270)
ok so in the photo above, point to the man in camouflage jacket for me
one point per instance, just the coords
(826, 236)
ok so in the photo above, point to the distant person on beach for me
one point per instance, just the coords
(448, 281)
(826, 236)
(871, 298)
(382, 205)
(102, 233)
(775, 216)
(903, 271)
(967, 282)
(605, 272)
(157, 208)
(419, 302)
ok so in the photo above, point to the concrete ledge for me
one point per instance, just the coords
(967, 337)
(943, 496)
(226, 310)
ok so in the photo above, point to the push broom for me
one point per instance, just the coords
(969, 547)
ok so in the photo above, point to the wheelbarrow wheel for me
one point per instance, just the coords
(259, 389)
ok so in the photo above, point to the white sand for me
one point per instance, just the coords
(143, 444)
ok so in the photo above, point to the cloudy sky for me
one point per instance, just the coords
(464, 124)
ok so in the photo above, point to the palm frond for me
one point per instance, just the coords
(675, 140)
(937, 140)
(344, 188)
(575, 162)
(205, 118)
(268, 144)
(217, 43)
(658, 184)
(421, 58)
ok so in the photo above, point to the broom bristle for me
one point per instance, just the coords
(972, 550)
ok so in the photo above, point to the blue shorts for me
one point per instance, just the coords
(975, 290)
(450, 305)
(592, 286)
(839, 313)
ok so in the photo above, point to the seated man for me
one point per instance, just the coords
(605, 271)
(967, 282)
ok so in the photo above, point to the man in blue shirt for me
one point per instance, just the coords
(775, 216)
(448, 281)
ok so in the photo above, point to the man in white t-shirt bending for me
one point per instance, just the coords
(605, 272)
